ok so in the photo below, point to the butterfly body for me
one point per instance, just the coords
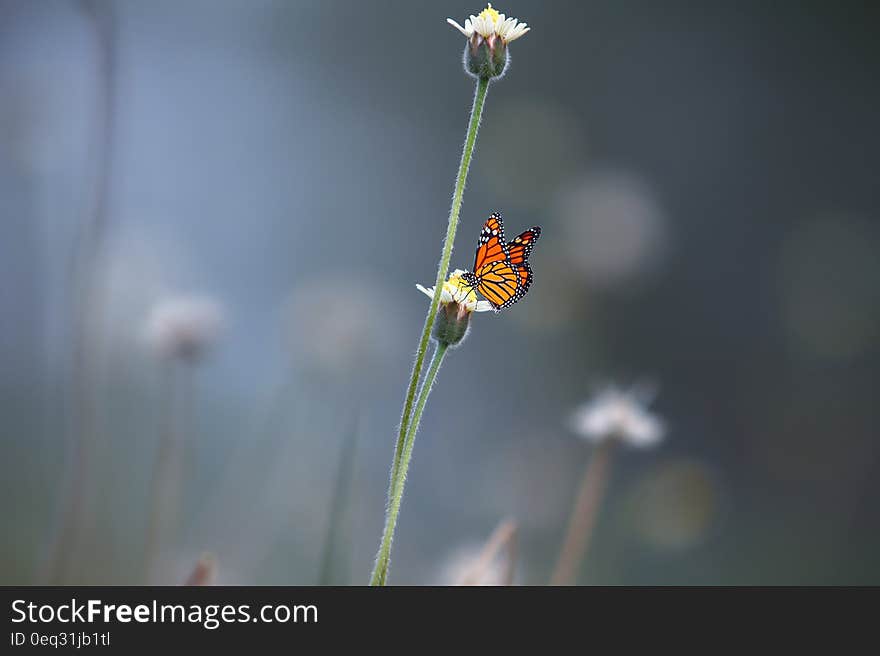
(502, 273)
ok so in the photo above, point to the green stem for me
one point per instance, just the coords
(380, 572)
(442, 270)
(339, 505)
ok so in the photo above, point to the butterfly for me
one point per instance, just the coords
(501, 269)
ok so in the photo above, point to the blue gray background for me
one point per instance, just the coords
(706, 177)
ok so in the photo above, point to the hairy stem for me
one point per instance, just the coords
(383, 559)
(442, 270)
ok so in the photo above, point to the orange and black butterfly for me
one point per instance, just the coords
(501, 269)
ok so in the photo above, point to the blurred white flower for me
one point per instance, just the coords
(465, 564)
(184, 327)
(456, 290)
(491, 24)
(614, 229)
(616, 414)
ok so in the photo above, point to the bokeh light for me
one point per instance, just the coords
(675, 504)
(340, 324)
(612, 227)
(828, 272)
(526, 148)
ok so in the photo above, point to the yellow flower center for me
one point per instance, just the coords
(490, 13)
(460, 290)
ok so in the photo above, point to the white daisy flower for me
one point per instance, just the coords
(456, 290)
(184, 327)
(616, 414)
(458, 301)
(485, 55)
(491, 24)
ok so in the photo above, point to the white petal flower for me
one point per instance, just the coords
(464, 565)
(455, 290)
(615, 414)
(491, 23)
(184, 327)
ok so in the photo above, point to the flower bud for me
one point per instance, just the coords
(452, 323)
(488, 35)
(485, 58)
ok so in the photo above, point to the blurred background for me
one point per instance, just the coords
(214, 214)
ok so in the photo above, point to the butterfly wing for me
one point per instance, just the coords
(491, 246)
(524, 271)
(520, 248)
(501, 269)
(501, 283)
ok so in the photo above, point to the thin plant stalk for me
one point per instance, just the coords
(442, 270)
(85, 299)
(168, 468)
(339, 504)
(380, 571)
(257, 453)
(204, 571)
(504, 535)
(584, 514)
(512, 556)
(398, 469)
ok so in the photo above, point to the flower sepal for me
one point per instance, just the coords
(452, 324)
(485, 58)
